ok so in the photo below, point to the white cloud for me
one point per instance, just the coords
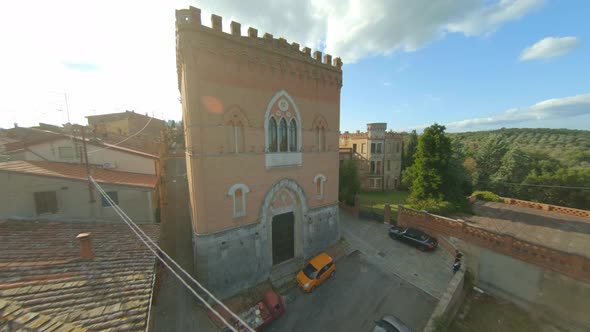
(114, 55)
(557, 108)
(485, 19)
(549, 47)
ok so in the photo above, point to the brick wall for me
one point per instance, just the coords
(572, 265)
(547, 207)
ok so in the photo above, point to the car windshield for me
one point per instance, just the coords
(386, 326)
(310, 271)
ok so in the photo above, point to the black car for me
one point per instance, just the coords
(414, 237)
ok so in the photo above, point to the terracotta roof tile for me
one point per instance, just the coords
(78, 172)
(109, 291)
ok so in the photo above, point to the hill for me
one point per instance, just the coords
(570, 147)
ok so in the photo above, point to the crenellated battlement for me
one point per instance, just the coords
(190, 19)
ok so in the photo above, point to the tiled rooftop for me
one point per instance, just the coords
(78, 172)
(43, 276)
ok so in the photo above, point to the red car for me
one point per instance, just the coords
(265, 311)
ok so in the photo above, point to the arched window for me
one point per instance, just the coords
(319, 181)
(238, 193)
(292, 136)
(272, 135)
(282, 125)
(283, 143)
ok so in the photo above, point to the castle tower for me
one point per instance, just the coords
(261, 119)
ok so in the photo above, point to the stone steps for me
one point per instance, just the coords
(283, 276)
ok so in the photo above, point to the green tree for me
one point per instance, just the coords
(434, 175)
(489, 158)
(349, 181)
(410, 146)
(556, 188)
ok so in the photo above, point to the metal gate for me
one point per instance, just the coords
(283, 237)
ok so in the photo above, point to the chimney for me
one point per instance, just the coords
(85, 246)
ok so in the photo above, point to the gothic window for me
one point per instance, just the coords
(282, 123)
(283, 143)
(292, 136)
(319, 181)
(238, 194)
(272, 135)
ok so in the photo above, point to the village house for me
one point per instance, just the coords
(69, 149)
(261, 119)
(44, 190)
(378, 153)
(126, 123)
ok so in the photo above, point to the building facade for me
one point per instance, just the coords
(378, 153)
(44, 190)
(68, 149)
(125, 124)
(261, 120)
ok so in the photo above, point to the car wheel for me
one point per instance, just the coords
(422, 248)
(311, 289)
(333, 274)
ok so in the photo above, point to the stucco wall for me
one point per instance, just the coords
(72, 197)
(126, 162)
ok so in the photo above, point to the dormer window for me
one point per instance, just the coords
(238, 193)
(319, 181)
(282, 126)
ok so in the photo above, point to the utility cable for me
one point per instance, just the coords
(138, 230)
(538, 185)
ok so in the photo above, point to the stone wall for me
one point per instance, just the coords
(239, 258)
(453, 296)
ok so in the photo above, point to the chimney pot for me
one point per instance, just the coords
(307, 51)
(328, 59)
(195, 15)
(85, 246)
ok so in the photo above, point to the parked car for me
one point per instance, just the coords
(319, 268)
(390, 324)
(264, 312)
(414, 237)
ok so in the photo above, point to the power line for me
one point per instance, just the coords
(138, 230)
(137, 133)
(538, 185)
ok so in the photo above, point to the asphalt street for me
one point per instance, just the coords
(360, 293)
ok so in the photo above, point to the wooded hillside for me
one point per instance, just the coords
(570, 147)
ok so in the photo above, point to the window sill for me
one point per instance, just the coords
(239, 215)
(281, 159)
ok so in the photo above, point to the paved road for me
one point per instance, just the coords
(429, 271)
(360, 293)
(176, 308)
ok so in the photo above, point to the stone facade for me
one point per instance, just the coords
(379, 156)
(261, 120)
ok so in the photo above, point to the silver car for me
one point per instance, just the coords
(390, 324)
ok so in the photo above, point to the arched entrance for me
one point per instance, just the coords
(283, 211)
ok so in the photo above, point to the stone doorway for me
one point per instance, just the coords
(283, 237)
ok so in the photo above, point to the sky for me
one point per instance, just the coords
(467, 64)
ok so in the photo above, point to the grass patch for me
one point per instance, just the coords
(375, 200)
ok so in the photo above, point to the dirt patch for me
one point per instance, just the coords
(484, 313)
